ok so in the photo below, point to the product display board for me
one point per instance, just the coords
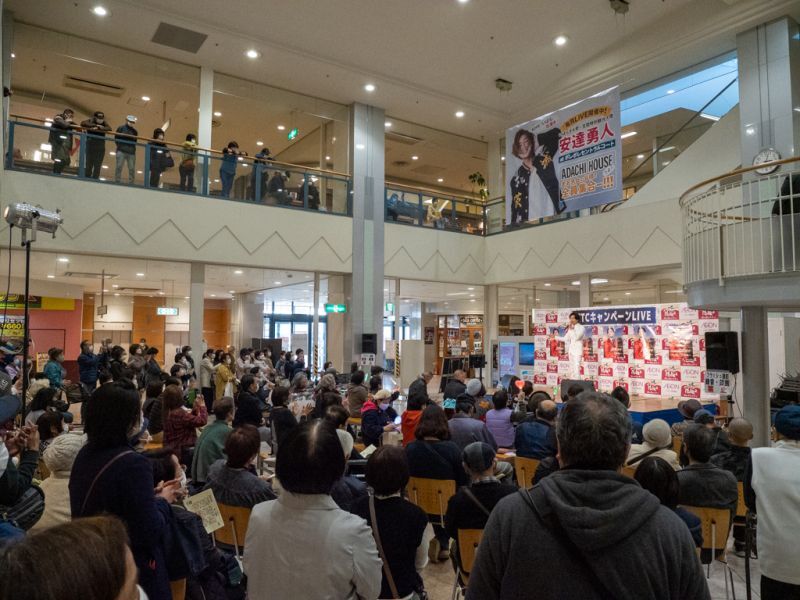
(650, 350)
(565, 161)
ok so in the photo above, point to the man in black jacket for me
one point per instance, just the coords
(125, 139)
(248, 410)
(456, 385)
(420, 385)
(603, 535)
(96, 129)
(60, 139)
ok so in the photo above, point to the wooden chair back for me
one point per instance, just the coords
(741, 507)
(630, 470)
(236, 519)
(431, 495)
(468, 542)
(178, 589)
(676, 444)
(715, 524)
(525, 469)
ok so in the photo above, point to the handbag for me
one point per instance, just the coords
(169, 162)
(386, 571)
(27, 510)
(228, 391)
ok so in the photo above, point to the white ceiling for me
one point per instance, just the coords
(429, 58)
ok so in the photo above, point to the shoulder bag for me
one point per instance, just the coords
(644, 455)
(477, 502)
(97, 477)
(27, 510)
(374, 523)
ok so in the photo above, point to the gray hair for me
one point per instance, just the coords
(594, 432)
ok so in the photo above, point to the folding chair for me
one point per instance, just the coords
(716, 526)
(431, 495)
(525, 469)
(468, 542)
(178, 589)
(236, 519)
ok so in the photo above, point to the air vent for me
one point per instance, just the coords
(139, 290)
(428, 170)
(179, 38)
(98, 87)
(401, 138)
(86, 275)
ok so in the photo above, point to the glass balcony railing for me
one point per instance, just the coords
(38, 148)
(430, 208)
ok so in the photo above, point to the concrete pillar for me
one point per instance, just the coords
(368, 151)
(755, 372)
(247, 319)
(494, 167)
(490, 329)
(397, 310)
(197, 308)
(315, 330)
(769, 88)
(586, 290)
(338, 341)
(206, 113)
(6, 45)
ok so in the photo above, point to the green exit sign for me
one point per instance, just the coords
(335, 308)
(388, 307)
(293, 134)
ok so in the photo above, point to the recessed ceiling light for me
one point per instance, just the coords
(503, 158)
(238, 272)
(547, 284)
(160, 293)
(598, 281)
(463, 1)
(213, 295)
(369, 87)
(277, 283)
(140, 274)
(100, 11)
(252, 53)
(628, 134)
(440, 180)
(15, 56)
(231, 291)
(360, 146)
(750, 130)
(115, 286)
(51, 276)
(470, 288)
(627, 293)
(640, 156)
(259, 143)
(576, 283)
(537, 299)
(139, 172)
(281, 127)
(459, 114)
(473, 300)
(561, 40)
(472, 295)
(327, 158)
(146, 98)
(105, 291)
(606, 298)
(670, 92)
(415, 157)
(186, 297)
(217, 113)
(387, 124)
(63, 259)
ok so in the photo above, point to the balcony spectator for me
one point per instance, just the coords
(188, 163)
(96, 129)
(227, 171)
(312, 192)
(160, 157)
(277, 188)
(125, 140)
(60, 140)
(260, 173)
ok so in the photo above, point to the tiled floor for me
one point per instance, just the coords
(439, 579)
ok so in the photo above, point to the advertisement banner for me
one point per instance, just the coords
(567, 160)
(12, 330)
(652, 350)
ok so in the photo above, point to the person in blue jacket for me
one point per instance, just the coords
(227, 171)
(88, 365)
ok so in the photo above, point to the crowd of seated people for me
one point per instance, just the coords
(604, 534)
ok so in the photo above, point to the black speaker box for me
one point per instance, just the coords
(369, 343)
(722, 351)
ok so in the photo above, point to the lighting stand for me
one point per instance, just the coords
(26, 334)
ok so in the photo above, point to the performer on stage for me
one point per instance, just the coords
(574, 343)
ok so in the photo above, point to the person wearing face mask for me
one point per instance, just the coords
(136, 363)
(377, 416)
(160, 158)
(53, 369)
(109, 477)
(224, 378)
(33, 569)
(152, 370)
(96, 128)
(88, 364)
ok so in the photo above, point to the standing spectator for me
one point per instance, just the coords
(772, 490)
(227, 170)
(260, 173)
(153, 407)
(225, 380)
(471, 506)
(109, 477)
(282, 420)
(536, 438)
(88, 364)
(498, 420)
(644, 546)
(312, 194)
(736, 460)
(277, 189)
(466, 429)
(160, 157)
(244, 362)
(402, 526)
(152, 370)
(125, 139)
(60, 139)
(658, 477)
(231, 478)
(211, 443)
(357, 393)
(306, 519)
(206, 371)
(421, 383)
(54, 370)
(248, 407)
(96, 129)
(657, 442)
(621, 394)
(58, 457)
(188, 163)
(136, 363)
(433, 456)
(180, 424)
(117, 365)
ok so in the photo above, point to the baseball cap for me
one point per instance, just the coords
(688, 407)
(787, 421)
(131, 118)
(703, 417)
(478, 456)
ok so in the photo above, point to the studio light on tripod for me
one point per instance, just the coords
(27, 216)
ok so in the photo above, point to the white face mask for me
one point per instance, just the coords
(142, 593)
(182, 479)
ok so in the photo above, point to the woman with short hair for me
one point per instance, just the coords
(180, 424)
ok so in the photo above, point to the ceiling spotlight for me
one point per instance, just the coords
(51, 276)
(503, 158)
(63, 259)
(459, 114)
(440, 180)
(116, 294)
(387, 124)
(140, 274)
(15, 56)
(186, 297)
(217, 113)
(576, 283)
(160, 293)
(146, 98)
(100, 11)
(470, 288)
(369, 87)
(213, 295)
(281, 127)
(561, 40)
(327, 158)
(627, 293)
(252, 53)
(463, 1)
(547, 284)
(415, 157)
(115, 286)
(238, 272)
(259, 143)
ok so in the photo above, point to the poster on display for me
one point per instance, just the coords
(12, 330)
(655, 350)
(507, 361)
(565, 161)
(429, 332)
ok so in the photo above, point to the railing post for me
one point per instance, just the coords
(146, 165)
(258, 168)
(349, 187)
(82, 155)
(720, 261)
(10, 150)
(421, 209)
(305, 191)
(204, 182)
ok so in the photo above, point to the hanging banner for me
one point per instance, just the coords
(12, 330)
(656, 350)
(565, 161)
(18, 301)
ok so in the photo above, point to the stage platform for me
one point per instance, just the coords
(646, 409)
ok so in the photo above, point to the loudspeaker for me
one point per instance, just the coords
(722, 351)
(369, 343)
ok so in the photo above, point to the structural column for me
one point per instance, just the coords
(315, 348)
(755, 372)
(490, 329)
(586, 290)
(494, 177)
(368, 152)
(338, 338)
(206, 114)
(197, 309)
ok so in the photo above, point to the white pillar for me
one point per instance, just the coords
(490, 330)
(397, 310)
(755, 372)
(206, 113)
(197, 308)
(586, 290)
(494, 166)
